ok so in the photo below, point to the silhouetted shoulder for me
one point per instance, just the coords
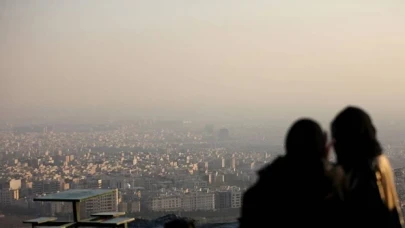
(265, 177)
(249, 205)
(336, 175)
(260, 195)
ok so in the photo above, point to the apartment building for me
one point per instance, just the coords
(195, 201)
(103, 203)
(166, 203)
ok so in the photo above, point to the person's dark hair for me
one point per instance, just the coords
(305, 139)
(179, 223)
(355, 136)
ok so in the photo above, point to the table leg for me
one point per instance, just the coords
(76, 213)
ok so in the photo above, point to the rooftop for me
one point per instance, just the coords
(74, 195)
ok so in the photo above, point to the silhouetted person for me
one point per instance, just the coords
(180, 223)
(370, 198)
(298, 189)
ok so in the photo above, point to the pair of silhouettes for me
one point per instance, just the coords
(302, 189)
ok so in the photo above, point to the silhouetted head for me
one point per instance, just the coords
(180, 223)
(306, 140)
(355, 137)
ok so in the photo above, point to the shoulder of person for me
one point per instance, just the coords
(335, 171)
(338, 179)
(271, 168)
(252, 192)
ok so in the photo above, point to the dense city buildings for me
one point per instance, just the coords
(154, 167)
(103, 203)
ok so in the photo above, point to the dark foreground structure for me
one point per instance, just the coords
(104, 219)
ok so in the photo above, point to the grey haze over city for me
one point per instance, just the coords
(218, 59)
(133, 94)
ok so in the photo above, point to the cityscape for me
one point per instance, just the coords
(154, 167)
(139, 113)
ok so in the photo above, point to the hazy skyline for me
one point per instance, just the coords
(245, 58)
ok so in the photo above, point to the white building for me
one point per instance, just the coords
(198, 201)
(103, 203)
(236, 199)
(166, 203)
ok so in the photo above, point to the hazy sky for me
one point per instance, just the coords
(256, 57)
